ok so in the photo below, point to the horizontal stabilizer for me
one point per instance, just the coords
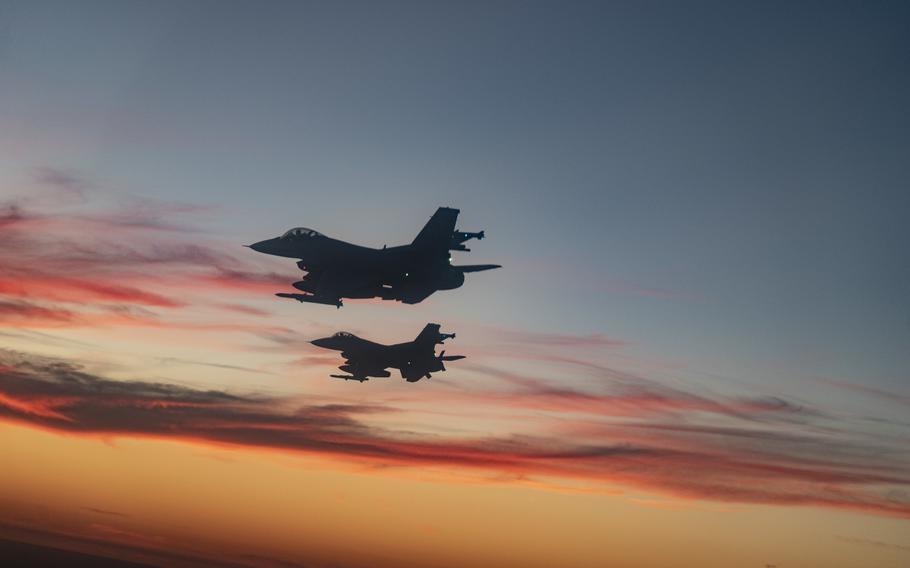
(310, 299)
(477, 267)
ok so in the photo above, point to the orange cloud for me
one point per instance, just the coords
(762, 468)
(105, 268)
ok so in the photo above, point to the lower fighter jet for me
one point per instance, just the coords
(407, 273)
(415, 359)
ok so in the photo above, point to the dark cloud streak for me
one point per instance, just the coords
(58, 395)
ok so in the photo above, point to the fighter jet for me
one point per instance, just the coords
(407, 273)
(415, 359)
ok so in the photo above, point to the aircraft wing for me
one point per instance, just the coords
(364, 364)
(344, 283)
(414, 294)
(359, 373)
(437, 233)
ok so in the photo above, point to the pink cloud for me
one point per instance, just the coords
(765, 468)
(96, 264)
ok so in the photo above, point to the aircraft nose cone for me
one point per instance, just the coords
(324, 342)
(262, 246)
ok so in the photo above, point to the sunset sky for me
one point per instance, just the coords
(697, 352)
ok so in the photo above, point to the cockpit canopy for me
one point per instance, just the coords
(301, 232)
(343, 334)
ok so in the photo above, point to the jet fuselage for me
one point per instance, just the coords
(408, 273)
(415, 359)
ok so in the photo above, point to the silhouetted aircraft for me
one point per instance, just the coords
(408, 273)
(415, 359)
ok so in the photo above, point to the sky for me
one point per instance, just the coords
(696, 350)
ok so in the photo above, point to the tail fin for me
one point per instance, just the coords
(430, 334)
(438, 231)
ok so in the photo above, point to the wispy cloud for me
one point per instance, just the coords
(868, 391)
(105, 512)
(874, 543)
(18, 312)
(62, 288)
(141, 264)
(179, 361)
(109, 541)
(65, 183)
(623, 394)
(56, 394)
(66, 266)
(243, 309)
(556, 339)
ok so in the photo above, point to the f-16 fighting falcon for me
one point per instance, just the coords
(415, 359)
(407, 273)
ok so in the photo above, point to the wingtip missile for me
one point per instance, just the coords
(310, 299)
(350, 378)
(460, 237)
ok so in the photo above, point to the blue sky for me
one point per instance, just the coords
(750, 174)
(700, 209)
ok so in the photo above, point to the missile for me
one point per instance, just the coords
(462, 236)
(310, 299)
(439, 365)
(349, 378)
(459, 237)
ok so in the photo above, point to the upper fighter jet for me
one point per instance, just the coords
(415, 359)
(408, 273)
